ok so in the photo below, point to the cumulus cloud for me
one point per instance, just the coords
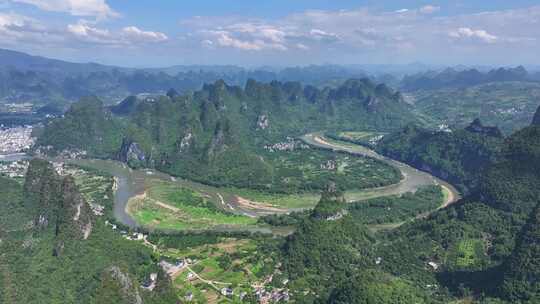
(468, 33)
(245, 36)
(16, 28)
(372, 35)
(83, 8)
(127, 36)
(319, 34)
(416, 33)
(133, 33)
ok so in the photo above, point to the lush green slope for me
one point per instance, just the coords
(84, 127)
(459, 156)
(522, 270)
(67, 254)
(225, 135)
(474, 244)
(507, 105)
(481, 249)
(329, 259)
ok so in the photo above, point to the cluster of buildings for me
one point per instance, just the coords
(15, 140)
(19, 108)
(277, 295)
(289, 145)
(375, 140)
(444, 128)
(329, 165)
(135, 236)
(14, 169)
(150, 284)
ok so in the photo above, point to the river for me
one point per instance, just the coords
(130, 183)
(412, 180)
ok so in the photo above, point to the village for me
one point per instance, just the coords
(182, 268)
(16, 140)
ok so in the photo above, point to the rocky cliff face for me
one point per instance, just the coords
(117, 286)
(58, 205)
(131, 153)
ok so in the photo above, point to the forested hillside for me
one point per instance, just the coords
(55, 249)
(509, 105)
(330, 259)
(483, 245)
(483, 249)
(459, 156)
(223, 135)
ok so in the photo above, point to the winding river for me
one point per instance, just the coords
(412, 177)
(130, 183)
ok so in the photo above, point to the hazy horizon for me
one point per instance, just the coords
(282, 34)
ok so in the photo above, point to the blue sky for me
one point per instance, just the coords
(274, 32)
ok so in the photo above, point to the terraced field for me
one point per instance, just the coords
(230, 263)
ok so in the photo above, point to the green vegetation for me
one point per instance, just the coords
(84, 127)
(375, 287)
(389, 211)
(468, 253)
(507, 105)
(458, 157)
(52, 263)
(220, 261)
(329, 259)
(396, 209)
(12, 214)
(522, 270)
(479, 241)
(310, 170)
(358, 137)
(167, 207)
(218, 135)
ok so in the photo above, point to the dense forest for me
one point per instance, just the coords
(458, 156)
(54, 248)
(223, 135)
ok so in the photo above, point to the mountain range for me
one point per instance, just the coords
(218, 135)
(452, 78)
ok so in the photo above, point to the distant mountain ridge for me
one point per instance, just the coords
(451, 78)
(38, 79)
(13, 60)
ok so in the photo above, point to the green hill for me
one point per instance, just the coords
(489, 236)
(223, 135)
(54, 249)
(522, 269)
(459, 156)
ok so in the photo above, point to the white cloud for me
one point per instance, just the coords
(429, 9)
(83, 8)
(15, 29)
(319, 34)
(245, 36)
(127, 36)
(372, 35)
(135, 34)
(468, 33)
(301, 46)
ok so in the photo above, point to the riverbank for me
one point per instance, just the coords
(131, 184)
